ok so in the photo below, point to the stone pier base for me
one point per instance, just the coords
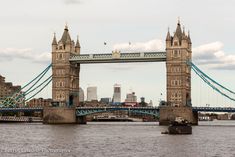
(168, 114)
(59, 115)
(81, 120)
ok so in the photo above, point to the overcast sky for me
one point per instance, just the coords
(27, 29)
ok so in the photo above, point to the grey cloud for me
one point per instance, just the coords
(151, 45)
(9, 54)
(213, 56)
(225, 67)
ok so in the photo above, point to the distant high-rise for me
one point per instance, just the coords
(150, 103)
(105, 100)
(131, 97)
(91, 93)
(117, 94)
(81, 95)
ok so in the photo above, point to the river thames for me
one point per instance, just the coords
(116, 139)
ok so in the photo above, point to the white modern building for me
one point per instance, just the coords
(131, 97)
(81, 95)
(117, 94)
(91, 93)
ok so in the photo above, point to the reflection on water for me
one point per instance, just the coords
(118, 139)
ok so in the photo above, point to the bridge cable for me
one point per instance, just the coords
(193, 65)
(211, 85)
(39, 90)
(25, 94)
(49, 66)
(7, 99)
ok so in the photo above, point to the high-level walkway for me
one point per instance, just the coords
(117, 57)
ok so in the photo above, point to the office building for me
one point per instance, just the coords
(81, 95)
(117, 94)
(91, 93)
(131, 99)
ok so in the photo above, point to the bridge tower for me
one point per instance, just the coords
(65, 80)
(178, 52)
(65, 75)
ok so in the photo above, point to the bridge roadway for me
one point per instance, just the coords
(82, 111)
(117, 57)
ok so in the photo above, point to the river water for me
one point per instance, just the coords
(116, 139)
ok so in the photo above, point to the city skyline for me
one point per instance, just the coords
(213, 49)
(124, 95)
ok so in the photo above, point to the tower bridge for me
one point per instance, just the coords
(66, 61)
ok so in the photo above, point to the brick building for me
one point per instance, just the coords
(39, 102)
(7, 89)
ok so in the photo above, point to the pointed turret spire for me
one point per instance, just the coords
(178, 31)
(54, 42)
(183, 34)
(168, 37)
(66, 37)
(189, 39)
(183, 30)
(78, 43)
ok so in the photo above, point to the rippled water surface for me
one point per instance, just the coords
(116, 139)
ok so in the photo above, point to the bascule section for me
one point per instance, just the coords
(178, 54)
(65, 80)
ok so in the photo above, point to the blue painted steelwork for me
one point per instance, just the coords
(214, 109)
(50, 79)
(209, 81)
(117, 57)
(25, 109)
(19, 96)
(201, 72)
(83, 111)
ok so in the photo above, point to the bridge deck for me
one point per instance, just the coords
(152, 109)
(117, 57)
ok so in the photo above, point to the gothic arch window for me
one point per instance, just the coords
(176, 53)
(175, 43)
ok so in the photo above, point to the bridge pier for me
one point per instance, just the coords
(59, 115)
(81, 120)
(168, 114)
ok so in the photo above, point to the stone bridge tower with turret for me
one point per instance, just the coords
(65, 82)
(65, 75)
(178, 53)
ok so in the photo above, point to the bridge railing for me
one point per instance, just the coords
(136, 55)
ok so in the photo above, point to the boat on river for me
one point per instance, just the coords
(180, 126)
